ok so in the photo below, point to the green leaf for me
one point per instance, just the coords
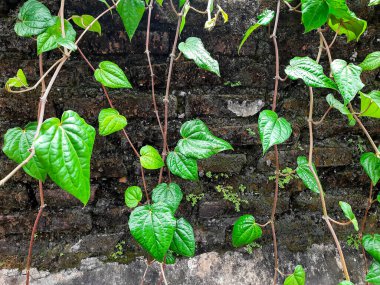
(347, 77)
(345, 282)
(131, 13)
(336, 104)
(371, 244)
(153, 227)
(224, 14)
(17, 143)
(373, 2)
(111, 75)
(34, 19)
(314, 14)
(310, 72)
(132, 196)
(194, 49)
(66, 43)
(198, 142)
(181, 3)
(18, 81)
(170, 194)
(347, 210)
(263, 20)
(371, 165)
(371, 62)
(64, 148)
(183, 240)
(370, 104)
(349, 25)
(297, 278)
(272, 129)
(170, 258)
(52, 37)
(184, 14)
(182, 166)
(85, 20)
(150, 158)
(245, 231)
(304, 172)
(110, 121)
(373, 276)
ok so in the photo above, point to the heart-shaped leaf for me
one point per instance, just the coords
(110, 121)
(153, 228)
(150, 158)
(132, 196)
(336, 104)
(194, 49)
(347, 77)
(64, 148)
(198, 142)
(85, 20)
(304, 172)
(310, 72)
(18, 81)
(182, 166)
(273, 130)
(347, 210)
(17, 143)
(371, 244)
(297, 278)
(170, 194)
(110, 75)
(314, 14)
(371, 165)
(349, 25)
(131, 13)
(245, 231)
(373, 276)
(371, 62)
(370, 104)
(183, 240)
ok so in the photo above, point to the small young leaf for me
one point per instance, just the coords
(273, 130)
(347, 210)
(304, 172)
(370, 104)
(373, 2)
(371, 62)
(341, 108)
(110, 75)
(347, 78)
(345, 282)
(194, 49)
(183, 240)
(18, 81)
(224, 14)
(170, 194)
(373, 276)
(85, 20)
(371, 165)
(131, 13)
(132, 196)
(297, 278)
(184, 14)
(110, 121)
(182, 166)
(371, 244)
(245, 231)
(150, 158)
(170, 258)
(310, 72)
(314, 14)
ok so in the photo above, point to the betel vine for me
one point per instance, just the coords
(345, 80)
(61, 148)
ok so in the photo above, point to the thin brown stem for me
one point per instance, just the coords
(264, 225)
(323, 117)
(340, 223)
(163, 274)
(143, 278)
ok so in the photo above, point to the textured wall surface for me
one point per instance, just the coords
(69, 233)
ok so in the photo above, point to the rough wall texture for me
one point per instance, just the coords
(69, 233)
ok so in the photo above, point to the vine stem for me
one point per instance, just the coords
(163, 274)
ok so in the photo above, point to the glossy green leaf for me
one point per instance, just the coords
(350, 25)
(263, 20)
(198, 142)
(52, 37)
(131, 13)
(34, 18)
(181, 3)
(370, 104)
(170, 258)
(310, 72)
(64, 148)
(347, 77)
(133, 196)
(85, 21)
(194, 49)
(182, 166)
(371, 165)
(184, 14)
(245, 231)
(304, 172)
(18, 81)
(183, 240)
(373, 276)
(111, 75)
(336, 104)
(371, 244)
(297, 278)
(347, 210)
(110, 121)
(66, 43)
(345, 282)
(17, 143)
(153, 227)
(272, 129)
(150, 158)
(314, 14)
(374, 3)
(170, 194)
(371, 62)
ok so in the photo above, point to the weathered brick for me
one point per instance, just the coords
(227, 163)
